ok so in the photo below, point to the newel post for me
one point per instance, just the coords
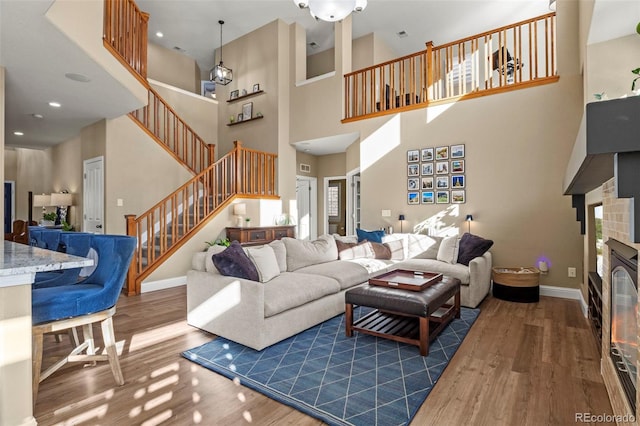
(430, 71)
(211, 149)
(238, 149)
(132, 272)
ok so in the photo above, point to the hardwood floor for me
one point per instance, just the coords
(534, 364)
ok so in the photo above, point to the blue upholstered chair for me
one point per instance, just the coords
(74, 243)
(62, 307)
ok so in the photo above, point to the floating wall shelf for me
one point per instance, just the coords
(248, 95)
(245, 121)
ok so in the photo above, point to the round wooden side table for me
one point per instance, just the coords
(516, 284)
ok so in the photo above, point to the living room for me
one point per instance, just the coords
(517, 158)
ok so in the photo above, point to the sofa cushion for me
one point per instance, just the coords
(375, 236)
(302, 253)
(423, 246)
(448, 251)
(381, 251)
(234, 262)
(346, 273)
(281, 254)
(264, 259)
(455, 270)
(208, 263)
(396, 249)
(374, 266)
(346, 238)
(472, 246)
(347, 251)
(291, 289)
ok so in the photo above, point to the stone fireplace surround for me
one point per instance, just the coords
(616, 225)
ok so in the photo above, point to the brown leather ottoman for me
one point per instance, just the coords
(413, 317)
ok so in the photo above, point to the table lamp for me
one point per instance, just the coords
(62, 200)
(239, 210)
(401, 219)
(469, 219)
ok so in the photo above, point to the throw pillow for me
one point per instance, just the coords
(381, 251)
(281, 254)
(448, 250)
(423, 246)
(302, 253)
(346, 238)
(355, 251)
(374, 236)
(396, 248)
(472, 246)
(265, 261)
(234, 262)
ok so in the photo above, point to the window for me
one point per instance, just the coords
(597, 213)
(333, 201)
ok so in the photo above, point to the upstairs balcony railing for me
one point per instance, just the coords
(508, 58)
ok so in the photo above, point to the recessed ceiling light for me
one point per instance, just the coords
(77, 77)
(55, 104)
(313, 45)
(179, 49)
(18, 133)
(37, 115)
(402, 34)
(159, 34)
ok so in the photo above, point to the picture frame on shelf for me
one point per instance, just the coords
(457, 181)
(413, 170)
(413, 197)
(458, 196)
(413, 183)
(426, 169)
(239, 117)
(208, 89)
(256, 87)
(247, 111)
(457, 166)
(427, 183)
(442, 197)
(413, 156)
(442, 153)
(442, 167)
(442, 182)
(234, 94)
(426, 154)
(457, 151)
(427, 197)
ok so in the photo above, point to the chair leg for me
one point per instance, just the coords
(73, 337)
(110, 345)
(36, 362)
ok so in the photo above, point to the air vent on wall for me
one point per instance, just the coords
(306, 168)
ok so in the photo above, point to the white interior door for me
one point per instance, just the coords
(306, 196)
(93, 195)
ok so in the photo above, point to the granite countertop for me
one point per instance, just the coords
(19, 259)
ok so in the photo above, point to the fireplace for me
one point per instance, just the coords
(624, 312)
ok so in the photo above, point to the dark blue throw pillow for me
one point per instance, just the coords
(234, 262)
(373, 236)
(472, 246)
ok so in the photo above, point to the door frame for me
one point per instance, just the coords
(12, 184)
(325, 190)
(84, 189)
(313, 206)
(351, 208)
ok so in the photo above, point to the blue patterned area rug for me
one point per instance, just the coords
(362, 380)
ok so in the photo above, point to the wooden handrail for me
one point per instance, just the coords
(166, 226)
(163, 124)
(511, 57)
(125, 35)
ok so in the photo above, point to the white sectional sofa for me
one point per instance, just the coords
(309, 285)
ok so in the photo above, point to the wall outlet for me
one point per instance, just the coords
(571, 272)
(119, 202)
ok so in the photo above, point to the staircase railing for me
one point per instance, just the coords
(163, 124)
(507, 58)
(165, 227)
(125, 35)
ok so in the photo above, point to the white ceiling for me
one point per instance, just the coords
(36, 55)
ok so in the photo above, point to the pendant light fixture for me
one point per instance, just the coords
(221, 74)
(331, 10)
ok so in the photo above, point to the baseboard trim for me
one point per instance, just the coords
(148, 286)
(565, 293)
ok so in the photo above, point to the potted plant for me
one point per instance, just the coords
(48, 219)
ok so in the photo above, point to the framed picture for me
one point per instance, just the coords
(457, 166)
(247, 111)
(442, 167)
(457, 196)
(442, 153)
(412, 184)
(239, 117)
(413, 198)
(442, 182)
(427, 154)
(427, 183)
(457, 151)
(457, 181)
(413, 156)
(427, 169)
(442, 197)
(208, 88)
(256, 88)
(427, 197)
(234, 94)
(413, 170)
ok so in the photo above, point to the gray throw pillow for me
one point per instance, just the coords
(301, 253)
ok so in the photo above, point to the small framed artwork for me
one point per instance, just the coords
(427, 154)
(413, 156)
(457, 166)
(427, 169)
(442, 182)
(413, 170)
(208, 88)
(442, 153)
(247, 111)
(234, 94)
(413, 197)
(442, 167)
(442, 197)
(457, 196)
(239, 117)
(457, 151)
(256, 88)
(457, 181)
(427, 197)
(412, 184)
(427, 183)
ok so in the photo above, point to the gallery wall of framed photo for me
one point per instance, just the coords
(436, 175)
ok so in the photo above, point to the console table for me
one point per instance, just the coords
(255, 235)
